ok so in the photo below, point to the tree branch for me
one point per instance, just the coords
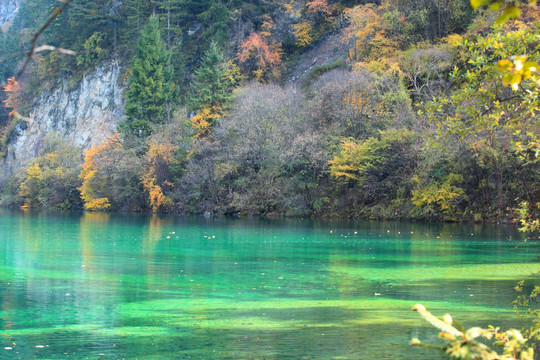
(33, 41)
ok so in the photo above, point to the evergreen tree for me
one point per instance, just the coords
(211, 86)
(211, 90)
(151, 86)
(215, 19)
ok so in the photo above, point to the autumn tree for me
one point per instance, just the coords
(111, 178)
(51, 181)
(490, 110)
(260, 128)
(313, 17)
(358, 104)
(303, 32)
(380, 166)
(427, 70)
(164, 163)
(260, 58)
(156, 178)
(366, 34)
(14, 96)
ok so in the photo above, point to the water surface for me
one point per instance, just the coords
(101, 286)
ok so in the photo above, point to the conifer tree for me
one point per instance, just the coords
(211, 90)
(150, 89)
(211, 87)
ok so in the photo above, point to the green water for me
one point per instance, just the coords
(99, 286)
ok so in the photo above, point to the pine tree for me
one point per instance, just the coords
(215, 19)
(211, 90)
(151, 87)
(211, 87)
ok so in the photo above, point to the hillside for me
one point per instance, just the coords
(385, 109)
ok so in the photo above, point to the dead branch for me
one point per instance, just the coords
(34, 39)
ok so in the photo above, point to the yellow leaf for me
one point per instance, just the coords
(504, 65)
(510, 12)
(479, 3)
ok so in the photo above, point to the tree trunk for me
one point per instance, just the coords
(115, 35)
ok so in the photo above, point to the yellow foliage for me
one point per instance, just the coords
(444, 194)
(203, 121)
(366, 35)
(97, 204)
(33, 171)
(453, 40)
(517, 69)
(364, 22)
(319, 6)
(361, 102)
(303, 33)
(159, 157)
(91, 202)
(29, 188)
(381, 66)
(291, 8)
(267, 26)
(157, 198)
(164, 151)
(348, 163)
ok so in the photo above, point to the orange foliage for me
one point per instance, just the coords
(157, 199)
(366, 35)
(159, 158)
(319, 7)
(364, 23)
(258, 56)
(91, 200)
(13, 90)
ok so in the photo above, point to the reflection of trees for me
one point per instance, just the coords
(150, 242)
(88, 224)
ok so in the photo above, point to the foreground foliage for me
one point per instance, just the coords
(461, 344)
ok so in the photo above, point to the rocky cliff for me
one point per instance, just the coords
(84, 115)
(8, 9)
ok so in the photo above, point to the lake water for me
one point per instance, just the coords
(102, 286)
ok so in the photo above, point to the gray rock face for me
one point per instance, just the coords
(8, 9)
(84, 116)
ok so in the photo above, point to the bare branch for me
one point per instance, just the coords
(53, 48)
(33, 41)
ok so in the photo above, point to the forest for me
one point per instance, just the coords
(427, 111)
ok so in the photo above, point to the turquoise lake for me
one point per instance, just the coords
(112, 286)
